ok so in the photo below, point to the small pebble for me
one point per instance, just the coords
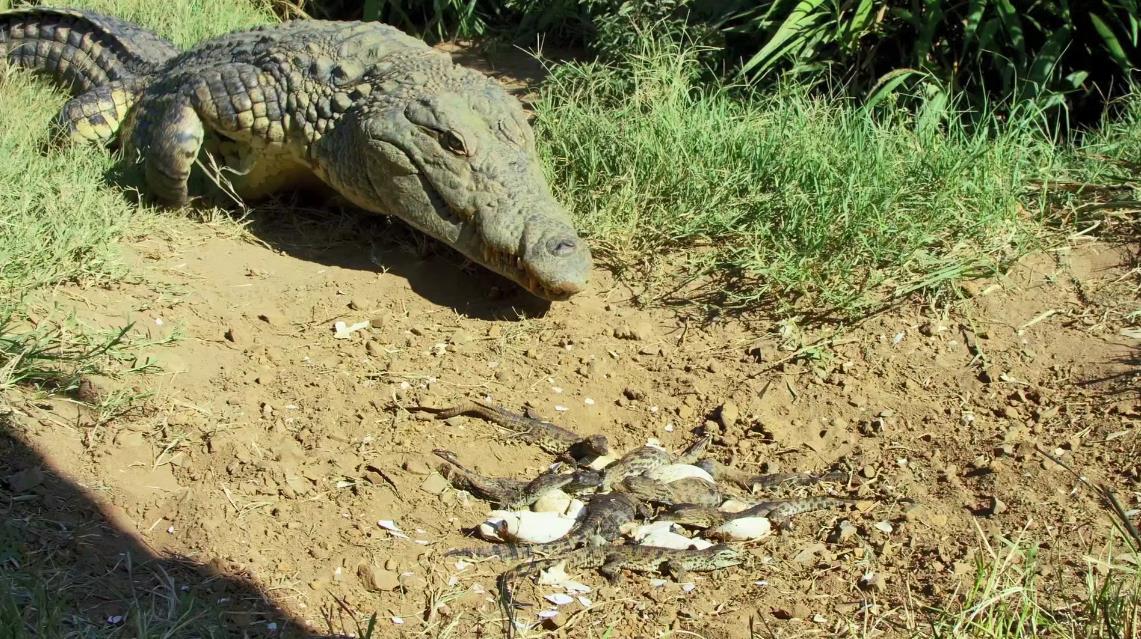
(728, 414)
(873, 581)
(377, 579)
(417, 466)
(434, 484)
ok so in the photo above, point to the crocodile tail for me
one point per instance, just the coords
(79, 49)
(505, 552)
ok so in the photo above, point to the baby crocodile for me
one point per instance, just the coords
(750, 481)
(603, 518)
(779, 512)
(550, 437)
(642, 460)
(690, 490)
(511, 493)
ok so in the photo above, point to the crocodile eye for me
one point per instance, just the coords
(453, 142)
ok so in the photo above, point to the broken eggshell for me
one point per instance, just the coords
(602, 461)
(741, 529)
(525, 526)
(557, 501)
(667, 539)
(734, 506)
(341, 330)
(673, 472)
(638, 532)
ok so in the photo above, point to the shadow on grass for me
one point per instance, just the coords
(68, 570)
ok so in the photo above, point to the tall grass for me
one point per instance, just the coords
(783, 196)
(1051, 53)
(1014, 595)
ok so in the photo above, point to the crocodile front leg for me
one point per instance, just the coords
(166, 140)
(232, 103)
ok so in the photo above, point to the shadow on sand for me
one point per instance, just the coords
(67, 568)
(349, 238)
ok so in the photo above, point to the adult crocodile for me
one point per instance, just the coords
(380, 117)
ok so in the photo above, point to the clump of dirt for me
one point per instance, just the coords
(271, 447)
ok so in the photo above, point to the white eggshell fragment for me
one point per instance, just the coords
(734, 506)
(674, 472)
(490, 528)
(742, 529)
(638, 532)
(539, 528)
(602, 461)
(559, 599)
(574, 509)
(555, 501)
(668, 539)
(525, 526)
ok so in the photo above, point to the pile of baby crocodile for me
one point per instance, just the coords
(616, 494)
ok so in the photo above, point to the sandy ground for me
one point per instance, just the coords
(267, 450)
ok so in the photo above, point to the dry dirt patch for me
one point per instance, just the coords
(270, 449)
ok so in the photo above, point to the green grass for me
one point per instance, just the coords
(60, 223)
(786, 197)
(183, 21)
(62, 216)
(1012, 595)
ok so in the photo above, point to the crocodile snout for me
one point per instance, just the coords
(558, 263)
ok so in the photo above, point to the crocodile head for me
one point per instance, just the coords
(724, 555)
(450, 153)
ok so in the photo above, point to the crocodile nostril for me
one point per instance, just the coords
(562, 247)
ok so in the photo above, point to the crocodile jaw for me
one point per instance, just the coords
(552, 261)
(491, 201)
(541, 252)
